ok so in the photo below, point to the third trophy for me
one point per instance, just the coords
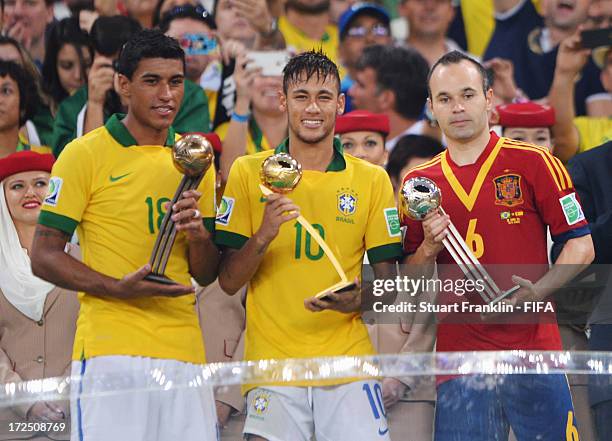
(421, 196)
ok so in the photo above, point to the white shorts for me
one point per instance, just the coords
(101, 412)
(348, 412)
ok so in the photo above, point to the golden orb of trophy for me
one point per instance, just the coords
(420, 196)
(280, 173)
(193, 154)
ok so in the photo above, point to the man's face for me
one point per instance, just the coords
(428, 18)
(195, 64)
(266, 94)
(312, 106)
(369, 146)
(364, 92)
(364, 31)
(600, 14)
(26, 20)
(565, 14)
(532, 135)
(9, 103)
(155, 92)
(230, 25)
(458, 102)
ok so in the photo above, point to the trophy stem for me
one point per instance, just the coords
(320, 241)
(167, 233)
(471, 267)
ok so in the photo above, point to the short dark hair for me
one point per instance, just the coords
(308, 64)
(109, 34)
(408, 147)
(198, 13)
(456, 57)
(401, 70)
(148, 43)
(29, 100)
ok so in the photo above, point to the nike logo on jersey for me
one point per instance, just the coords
(115, 179)
(382, 432)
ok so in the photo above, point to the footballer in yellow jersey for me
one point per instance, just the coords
(113, 185)
(350, 202)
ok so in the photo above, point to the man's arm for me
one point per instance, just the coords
(576, 255)
(50, 262)
(239, 266)
(203, 254)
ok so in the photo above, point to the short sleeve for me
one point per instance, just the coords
(556, 198)
(69, 189)
(234, 221)
(383, 234)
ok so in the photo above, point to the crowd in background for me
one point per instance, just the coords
(58, 79)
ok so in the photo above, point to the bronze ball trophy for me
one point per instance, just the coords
(192, 155)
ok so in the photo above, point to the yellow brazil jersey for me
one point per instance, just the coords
(299, 42)
(256, 141)
(113, 192)
(352, 207)
(593, 131)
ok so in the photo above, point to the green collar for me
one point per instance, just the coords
(337, 163)
(122, 135)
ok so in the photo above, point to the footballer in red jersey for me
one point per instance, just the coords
(501, 195)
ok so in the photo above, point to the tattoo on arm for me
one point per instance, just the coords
(51, 233)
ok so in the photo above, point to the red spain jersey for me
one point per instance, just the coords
(501, 206)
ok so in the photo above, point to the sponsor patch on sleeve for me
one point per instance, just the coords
(571, 209)
(224, 213)
(393, 222)
(53, 194)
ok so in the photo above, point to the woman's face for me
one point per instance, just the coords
(9, 103)
(266, 94)
(8, 52)
(69, 67)
(24, 194)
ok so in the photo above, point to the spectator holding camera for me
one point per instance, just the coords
(577, 134)
(257, 123)
(92, 105)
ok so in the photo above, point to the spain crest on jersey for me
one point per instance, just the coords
(508, 190)
(347, 203)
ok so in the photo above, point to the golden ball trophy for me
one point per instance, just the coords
(192, 155)
(280, 173)
(420, 196)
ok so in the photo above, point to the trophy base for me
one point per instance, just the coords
(505, 294)
(158, 278)
(337, 288)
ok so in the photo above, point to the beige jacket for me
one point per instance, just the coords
(223, 318)
(32, 350)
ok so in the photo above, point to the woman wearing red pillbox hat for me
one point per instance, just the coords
(363, 135)
(37, 319)
(528, 122)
